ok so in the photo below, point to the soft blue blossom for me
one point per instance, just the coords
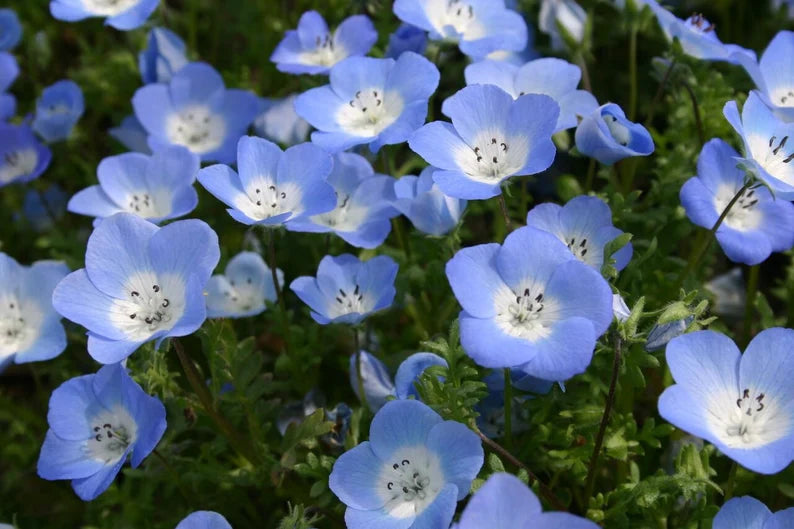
(123, 15)
(272, 187)
(58, 110)
(375, 379)
(412, 471)
(9, 70)
(773, 76)
(406, 38)
(313, 49)
(279, 123)
(196, 110)
(410, 370)
(748, 513)
(140, 283)
(562, 13)
(243, 288)
(606, 135)
(529, 303)
(96, 422)
(347, 290)
(742, 403)
(22, 157)
(10, 29)
(204, 520)
(489, 140)
(44, 209)
(755, 226)
(426, 206)
(478, 26)
(30, 330)
(163, 57)
(370, 101)
(363, 204)
(132, 135)
(156, 188)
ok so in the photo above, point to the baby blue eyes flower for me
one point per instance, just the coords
(606, 135)
(9, 70)
(363, 204)
(756, 225)
(272, 186)
(412, 471)
(243, 288)
(478, 26)
(406, 38)
(279, 123)
(426, 206)
(742, 403)
(489, 140)
(772, 76)
(748, 513)
(584, 224)
(378, 386)
(58, 110)
(163, 57)
(555, 78)
(140, 283)
(204, 520)
(10, 29)
(566, 13)
(96, 421)
(529, 303)
(123, 15)
(313, 49)
(347, 290)
(370, 101)
(22, 157)
(196, 110)
(30, 330)
(156, 188)
(765, 138)
(505, 502)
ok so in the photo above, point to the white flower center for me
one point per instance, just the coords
(749, 420)
(264, 199)
(524, 314)
(492, 156)
(453, 18)
(744, 215)
(326, 52)
(347, 216)
(411, 482)
(350, 303)
(774, 156)
(699, 25)
(148, 206)
(151, 305)
(17, 329)
(112, 432)
(370, 112)
(196, 127)
(243, 296)
(618, 130)
(18, 163)
(108, 7)
(783, 97)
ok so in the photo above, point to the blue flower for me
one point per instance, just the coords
(530, 304)
(742, 403)
(606, 135)
(156, 188)
(505, 502)
(584, 224)
(140, 283)
(31, 330)
(57, 111)
(406, 38)
(132, 135)
(478, 26)
(378, 386)
(123, 15)
(410, 370)
(22, 157)
(278, 121)
(313, 49)
(44, 210)
(363, 204)
(566, 13)
(555, 78)
(347, 290)
(10, 29)
(370, 101)
(204, 520)
(243, 288)
(425, 205)
(772, 76)
(748, 513)
(756, 225)
(9, 70)
(412, 471)
(765, 136)
(163, 57)
(96, 421)
(196, 110)
(490, 140)
(273, 186)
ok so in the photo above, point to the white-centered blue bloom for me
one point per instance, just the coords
(132, 135)
(312, 48)
(347, 290)
(375, 378)
(742, 403)
(478, 26)
(774, 76)
(406, 38)
(529, 303)
(196, 110)
(164, 56)
(279, 123)
(363, 204)
(748, 513)
(30, 330)
(204, 520)
(555, 78)
(243, 288)
(489, 140)
(58, 110)
(411, 473)
(123, 15)
(370, 101)
(566, 13)
(606, 135)
(96, 422)
(272, 186)
(22, 157)
(584, 224)
(10, 29)
(156, 188)
(755, 226)
(426, 206)
(140, 283)
(9, 71)
(767, 152)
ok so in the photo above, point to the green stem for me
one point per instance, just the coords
(696, 112)
(359, 376)
(505, 214)
(659, 93)
(731, 484)
(508, 409)
(749, 304)
(271, 248)
(397, 226)
(588, 183)
(633, 72)
(585, 72)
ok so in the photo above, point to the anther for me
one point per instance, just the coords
(782, 143)
(156, 288)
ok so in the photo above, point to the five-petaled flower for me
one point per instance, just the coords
(426, 206)
(22, 157)
(242, 290)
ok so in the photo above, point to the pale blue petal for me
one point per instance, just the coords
(474, 279)
(63, 459)
(460, 452)
(503, 502)
(355, 478)
(742, 513)
(400, 424)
